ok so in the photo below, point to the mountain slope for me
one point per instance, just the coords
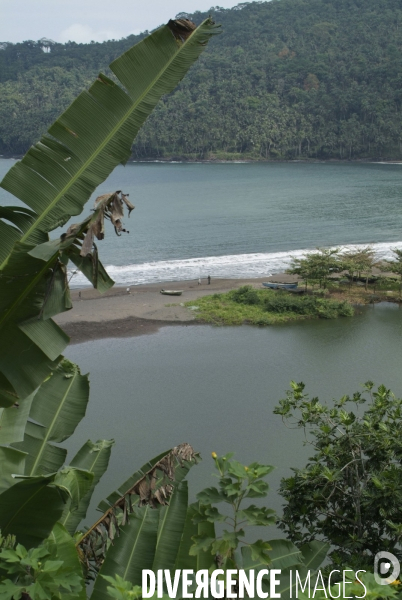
(287, 78)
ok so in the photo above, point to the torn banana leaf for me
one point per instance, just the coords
(151, 486)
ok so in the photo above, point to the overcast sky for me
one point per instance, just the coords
(86, 20)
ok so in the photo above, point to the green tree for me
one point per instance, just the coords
(350, 492)
(360, 262)
(395, 266)
(316, 266)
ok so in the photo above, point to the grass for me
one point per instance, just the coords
(266, 307)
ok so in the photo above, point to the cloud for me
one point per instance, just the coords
(83, 34)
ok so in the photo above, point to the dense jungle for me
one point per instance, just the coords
(286, 79)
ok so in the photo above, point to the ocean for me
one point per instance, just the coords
(242, 219)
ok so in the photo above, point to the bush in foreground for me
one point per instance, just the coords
(350, 492)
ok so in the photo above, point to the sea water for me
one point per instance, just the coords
(242, 219)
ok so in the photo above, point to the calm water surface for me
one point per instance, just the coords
(216, 387)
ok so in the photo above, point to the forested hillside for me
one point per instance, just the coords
(286, 79)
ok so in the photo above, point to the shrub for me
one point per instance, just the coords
(246, 295)
(283, 302)
(350, 492)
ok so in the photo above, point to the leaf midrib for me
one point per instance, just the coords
(49, 429)
(136, 542)
(105, 142)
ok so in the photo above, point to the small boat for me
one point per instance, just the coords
(172, 292)
(281, 286)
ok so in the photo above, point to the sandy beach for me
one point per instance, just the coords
(142, 309)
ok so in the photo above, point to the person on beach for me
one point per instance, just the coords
(199, 281)
(209, 279)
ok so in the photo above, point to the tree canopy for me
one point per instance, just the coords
(289, 78)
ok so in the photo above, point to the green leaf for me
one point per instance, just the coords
(314, 553)
(209, 513)
(95, 459)
(61, 546)
(57, 408)
(202, 543)
(210, 496)
(200, 558)
(257, 516)
(257, 489)
(283, 554)
(260, 551)
(75, 482)
(171, 524)
(237, 469)
(30, 508)
(13, 421)
(21, 219)
(12, 462)
(132, 551)
(8, 395)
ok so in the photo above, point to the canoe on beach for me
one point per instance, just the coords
(172, 292)
(281, 286)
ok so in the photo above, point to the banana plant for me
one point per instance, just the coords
(142, 521)
(55, 179)
(42, 396)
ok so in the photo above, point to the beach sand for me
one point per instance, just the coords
(143, 309)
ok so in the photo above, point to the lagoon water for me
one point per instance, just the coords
(216, 387)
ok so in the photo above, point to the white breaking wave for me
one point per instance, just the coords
(232, 266)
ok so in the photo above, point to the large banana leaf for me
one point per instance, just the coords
(132, 552)
(95, 459)
(29, 509)
(150, 540)
(56, 178)
(312, 557)
(172, 518)
(57, 408)
(314, 553)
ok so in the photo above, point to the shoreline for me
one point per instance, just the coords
(142, 310)
(246, 159)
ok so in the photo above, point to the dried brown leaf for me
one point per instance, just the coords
(181, 28)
